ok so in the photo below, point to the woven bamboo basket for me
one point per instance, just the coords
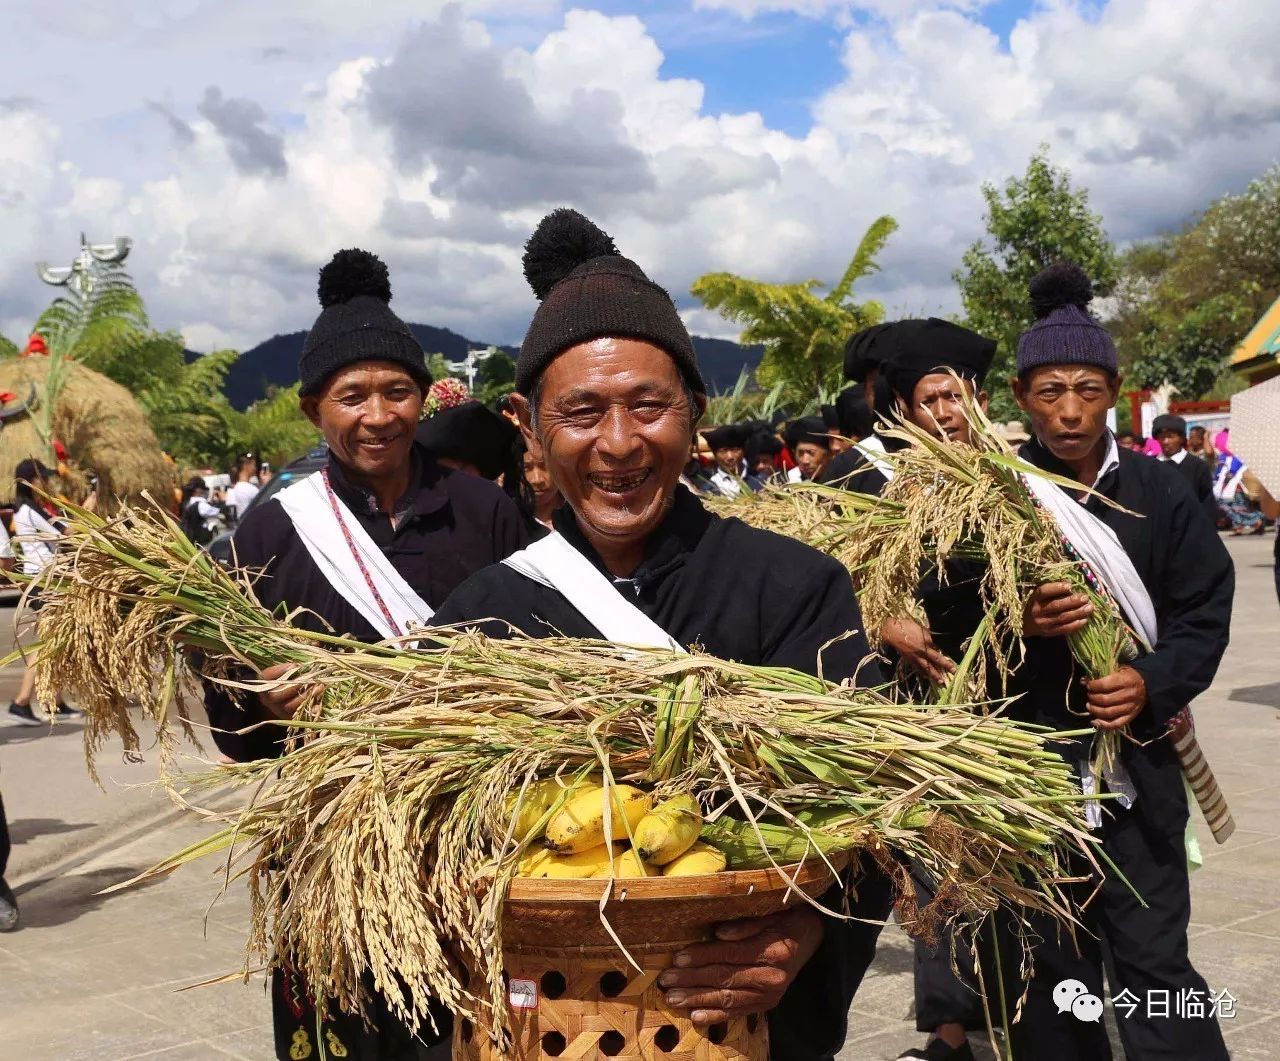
(571, 991)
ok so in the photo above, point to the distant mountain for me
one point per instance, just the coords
(275, 362)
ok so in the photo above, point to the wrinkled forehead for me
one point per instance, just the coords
(609, 368)
(1068, 375)
(943, 385)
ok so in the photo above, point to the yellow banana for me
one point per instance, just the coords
(579, 824)
(628, 864)
(669, 830)
(538, 798)
(700, 859)
(577, 866)
(529, 865)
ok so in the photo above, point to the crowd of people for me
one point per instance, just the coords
(573, 510)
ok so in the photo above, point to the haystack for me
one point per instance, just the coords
(103, 427)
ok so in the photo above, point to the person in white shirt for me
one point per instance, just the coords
(245, 487)
(37, 539)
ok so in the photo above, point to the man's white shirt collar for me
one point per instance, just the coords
(1177, 458)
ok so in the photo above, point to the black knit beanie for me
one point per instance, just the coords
(356, 323)
(589, 291)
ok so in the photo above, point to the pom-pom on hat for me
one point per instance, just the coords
(589, 291)
(356, 323)
(1065, 332)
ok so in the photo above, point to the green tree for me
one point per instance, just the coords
(103, 324)
(8, 348)
(495, 377)
(1186, 300)
(273, 427)
(803, 333)
(1032, 222)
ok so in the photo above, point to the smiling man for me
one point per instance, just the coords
(609, 396)
(367, 547)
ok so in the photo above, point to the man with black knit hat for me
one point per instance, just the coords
(609, 396)
(1171, 432)
(1154, 551)
(367, 547)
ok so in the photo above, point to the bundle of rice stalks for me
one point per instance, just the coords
(952, 502)
(385, 840)
(104, 429)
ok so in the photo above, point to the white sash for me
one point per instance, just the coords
(1098, 545)
(555, 563)
(726, 484)
(310, 504)
(873, 449)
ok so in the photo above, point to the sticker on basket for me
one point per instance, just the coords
(523, 994)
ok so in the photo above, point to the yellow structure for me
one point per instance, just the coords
(1258, 355)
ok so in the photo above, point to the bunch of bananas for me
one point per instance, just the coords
(650, 840)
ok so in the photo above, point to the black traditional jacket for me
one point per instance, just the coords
(450, 525)
(741, 594)
(1189, 575)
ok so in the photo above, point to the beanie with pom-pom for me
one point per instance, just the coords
(589, 291)
(356, 323)
(1065, 332)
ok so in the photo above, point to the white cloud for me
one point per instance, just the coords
(438, 145)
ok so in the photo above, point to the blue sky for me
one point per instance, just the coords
(240, 142)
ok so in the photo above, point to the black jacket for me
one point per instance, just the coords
(1199, 477)
(741, 594)
(452, 525)
(746, 595)
(1188, 573)
(851, 470)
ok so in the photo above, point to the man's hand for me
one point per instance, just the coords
(281, 701)
(915, 645)
(1055, 610)
(1114, 701)
(746, 969)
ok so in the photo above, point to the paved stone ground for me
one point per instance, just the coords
(94, 977)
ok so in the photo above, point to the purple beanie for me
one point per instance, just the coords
(1065, 332)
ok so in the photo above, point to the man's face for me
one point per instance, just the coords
(1068, 407)
(838, 442)
(730, 459)
(613, 430)
(1171, 443)
(1126, 440)
(765, 465)
(812, 458)
(937, 406)
(1197, 438)
(368, 413)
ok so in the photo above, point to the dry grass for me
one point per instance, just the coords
(101, 424)
(380, 841)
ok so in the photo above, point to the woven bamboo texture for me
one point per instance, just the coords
(600, 1006)
(573, 993)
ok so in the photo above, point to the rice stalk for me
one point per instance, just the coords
(953, 502)
(382, 841)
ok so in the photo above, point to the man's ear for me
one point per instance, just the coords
(982, 399)
(1019, 392)
(310, 406)
(1116, 381)
(524, 415)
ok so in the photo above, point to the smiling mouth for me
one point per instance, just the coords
(619, 483)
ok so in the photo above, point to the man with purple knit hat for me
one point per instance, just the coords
(1162, 560)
